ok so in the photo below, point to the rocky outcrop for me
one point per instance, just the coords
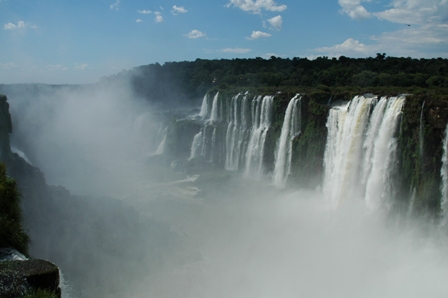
(5, 128)
(18, 278)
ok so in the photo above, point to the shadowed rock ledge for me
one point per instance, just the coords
(19, 277)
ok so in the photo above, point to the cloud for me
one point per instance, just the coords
(195, 34)
(144, 11)
(159, 17)
(348, 47)
(178, 9)
(276, 22)
(416, 12)
(426, 41)
(8, 66)
(354, 9)
(235, 50)
(258, 34)
(139, 21)
(256, 6)
(56, 67)
(83, 66)
(115, 5)
(11, 26)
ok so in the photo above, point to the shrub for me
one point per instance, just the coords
(12, 233)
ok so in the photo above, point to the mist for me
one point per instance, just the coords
(234, 237)
(83, 137)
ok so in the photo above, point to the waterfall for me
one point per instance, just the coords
(444, 176)
(214, 114)
(360, 150)
(196, 146)
(290, 129)
(204, 107)
(378, 186)
(262, 119)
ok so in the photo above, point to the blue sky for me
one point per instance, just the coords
(66, 41)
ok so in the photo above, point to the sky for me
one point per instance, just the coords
(79, 42)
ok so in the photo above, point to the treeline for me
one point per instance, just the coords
(178, 80)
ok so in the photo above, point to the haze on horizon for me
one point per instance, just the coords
(66, 42)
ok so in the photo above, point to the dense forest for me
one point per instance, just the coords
(380, 75)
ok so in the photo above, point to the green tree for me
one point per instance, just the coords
(12, 233)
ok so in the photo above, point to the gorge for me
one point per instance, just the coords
(233, 192)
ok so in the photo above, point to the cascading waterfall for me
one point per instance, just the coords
(237, 130)
(290, 129)
(262, 120)
(246, 120)
(214, 114)
(444, 184)
(196, 146)
(204, 107)
(360, 150)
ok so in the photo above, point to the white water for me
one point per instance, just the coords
(290, 129)
(360, 149)
(237, 130)
(196, 146)
(214, 114)
(20, 153)
(262, 120)
(204, 107)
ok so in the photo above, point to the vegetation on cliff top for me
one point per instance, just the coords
(379, 75)
(12, 233)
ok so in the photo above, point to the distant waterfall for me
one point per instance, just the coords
(214, 114)
(204, 107)
(360, 148)
(261, 112)
(235, 133)
(196, 146)
(444, 175)
(290, 129)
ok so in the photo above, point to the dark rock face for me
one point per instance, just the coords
(19, 277)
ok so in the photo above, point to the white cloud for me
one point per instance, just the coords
(350, 47)
(178, 9)
(255, 6)
(83, 66)
(354, 9)
(11, 26)
(8, 65)
(235, 50)
(258, 34)
(416, 12)
(426, 41)
(144, 11)
(139, 21)
(159, 17)
(115, 5)
(276, 22)
(54, 67)
(195, 34)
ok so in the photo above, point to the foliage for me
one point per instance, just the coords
(191, 80)
(12, 233)
(39, 293)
